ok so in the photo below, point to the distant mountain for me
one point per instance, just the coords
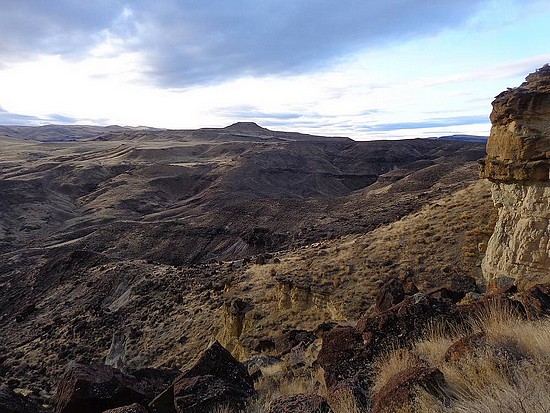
(464, 138)
(62, 133)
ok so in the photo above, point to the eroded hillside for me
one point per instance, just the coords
(131, 244)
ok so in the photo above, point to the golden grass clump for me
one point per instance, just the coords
(343, 402)
(510, 372)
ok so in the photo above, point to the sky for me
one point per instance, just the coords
(366, 69)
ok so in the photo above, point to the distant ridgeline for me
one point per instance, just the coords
(465, 138)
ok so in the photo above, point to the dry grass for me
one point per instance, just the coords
(276, 381)
(343, 402)
(510, 373)
(343, 274)
(391, 364)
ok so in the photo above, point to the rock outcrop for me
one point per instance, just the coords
(96, 388)
(216, 379)
(518, 165)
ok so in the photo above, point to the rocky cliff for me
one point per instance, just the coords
(517, 164)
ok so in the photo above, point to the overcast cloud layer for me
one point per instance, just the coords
(365, 69)
(189, 42)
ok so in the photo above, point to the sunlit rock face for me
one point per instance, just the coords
(518, 164)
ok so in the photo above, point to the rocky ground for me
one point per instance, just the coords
(136, 248)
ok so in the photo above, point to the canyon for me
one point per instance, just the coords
(172, 271)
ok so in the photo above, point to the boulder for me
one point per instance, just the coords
(536, 300)
(11, 402)
(323, 328)
(399, 391)
(460, 285)
(202, 394)
(164, 402)
(290, 339)
(406, 321)
(132, 408)
(389, 294)
(344, 357)
(303, 403)
(216, 378)
(152, 382)
(219, 362)
(95, 388)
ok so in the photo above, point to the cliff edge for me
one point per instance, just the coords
(518, 165)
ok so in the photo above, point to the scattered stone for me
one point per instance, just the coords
(261, 361)
(460, 285)
(410, 288)
(303, 403)
(406, 321)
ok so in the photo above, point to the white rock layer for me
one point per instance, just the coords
(520, 245)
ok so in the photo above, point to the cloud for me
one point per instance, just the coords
(187, 42)
(250, 112)
(8, 118)
(66, 27)
(430, 123)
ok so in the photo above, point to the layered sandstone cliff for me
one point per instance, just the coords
(517, 164)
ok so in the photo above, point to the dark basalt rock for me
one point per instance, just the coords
(465, 346)
(406, 321)
(202, 394)
(303, 403)
(287, 341)
(399, 390)
(536, 300)
(133, 408)
(25, 312)
(96, 388)
(219, 362)
(11, 402)
(344, 356)
(215, 379)
(389, 294)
